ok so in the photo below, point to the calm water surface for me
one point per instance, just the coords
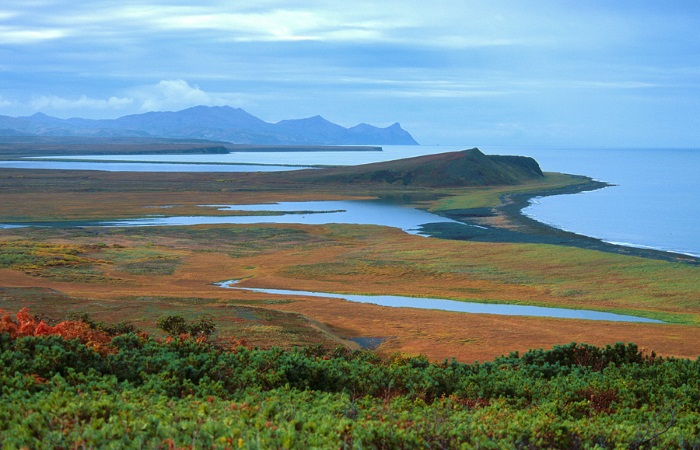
(358, 212)
(117, 166)
(453, 305)
(655, 201)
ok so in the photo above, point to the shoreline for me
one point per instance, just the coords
(507, 223)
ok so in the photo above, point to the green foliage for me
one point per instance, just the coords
(205, 327)
(112, 329)
(173, 325)
(59, 393)
(176, 325)
(61, 262)
(28, 255)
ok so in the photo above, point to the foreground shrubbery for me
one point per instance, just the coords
(138, 392)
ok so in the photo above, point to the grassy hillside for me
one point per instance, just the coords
(452, 169)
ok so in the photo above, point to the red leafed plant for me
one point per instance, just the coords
(25, 324)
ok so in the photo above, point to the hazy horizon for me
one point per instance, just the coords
(490, 73)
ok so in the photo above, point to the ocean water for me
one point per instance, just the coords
(655, 201)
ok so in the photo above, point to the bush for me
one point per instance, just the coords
(176, 326)
(59, 392)
(112, 329)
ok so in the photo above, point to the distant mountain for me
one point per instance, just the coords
(451, 169)
(216, 123)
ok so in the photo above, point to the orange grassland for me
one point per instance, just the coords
(143, 274)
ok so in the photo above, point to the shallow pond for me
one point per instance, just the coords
(453, 305)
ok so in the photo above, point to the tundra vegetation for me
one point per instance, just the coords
(264, 370)
(73, 384)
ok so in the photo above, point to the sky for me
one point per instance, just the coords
(621, 73)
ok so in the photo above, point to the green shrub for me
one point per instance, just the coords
(177, 325)
(184, 393)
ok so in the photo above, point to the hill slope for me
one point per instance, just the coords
(451, 169)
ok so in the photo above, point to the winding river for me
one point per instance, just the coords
(396, 301)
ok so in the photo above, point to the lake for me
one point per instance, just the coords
(655, 203)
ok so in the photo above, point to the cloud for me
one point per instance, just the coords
(435, 89)
(21, 24)
(166, 95)
(229, 23)
(615, 85)
(274, 21)
(429, 88)
(173, 95)
(581, 85)
(25, 36)
(7, 15)
(275, 25)
(444, 93)
(53, 103)
(278, 22)
(511, 61)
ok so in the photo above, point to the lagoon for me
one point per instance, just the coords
(357, 212)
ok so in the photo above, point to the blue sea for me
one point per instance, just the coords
(655, 200)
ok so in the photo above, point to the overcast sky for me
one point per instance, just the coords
(568, 73)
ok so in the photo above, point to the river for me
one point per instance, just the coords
(396, 301)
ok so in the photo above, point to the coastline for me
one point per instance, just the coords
(507, 223)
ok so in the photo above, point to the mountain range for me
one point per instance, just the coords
(216, 123)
